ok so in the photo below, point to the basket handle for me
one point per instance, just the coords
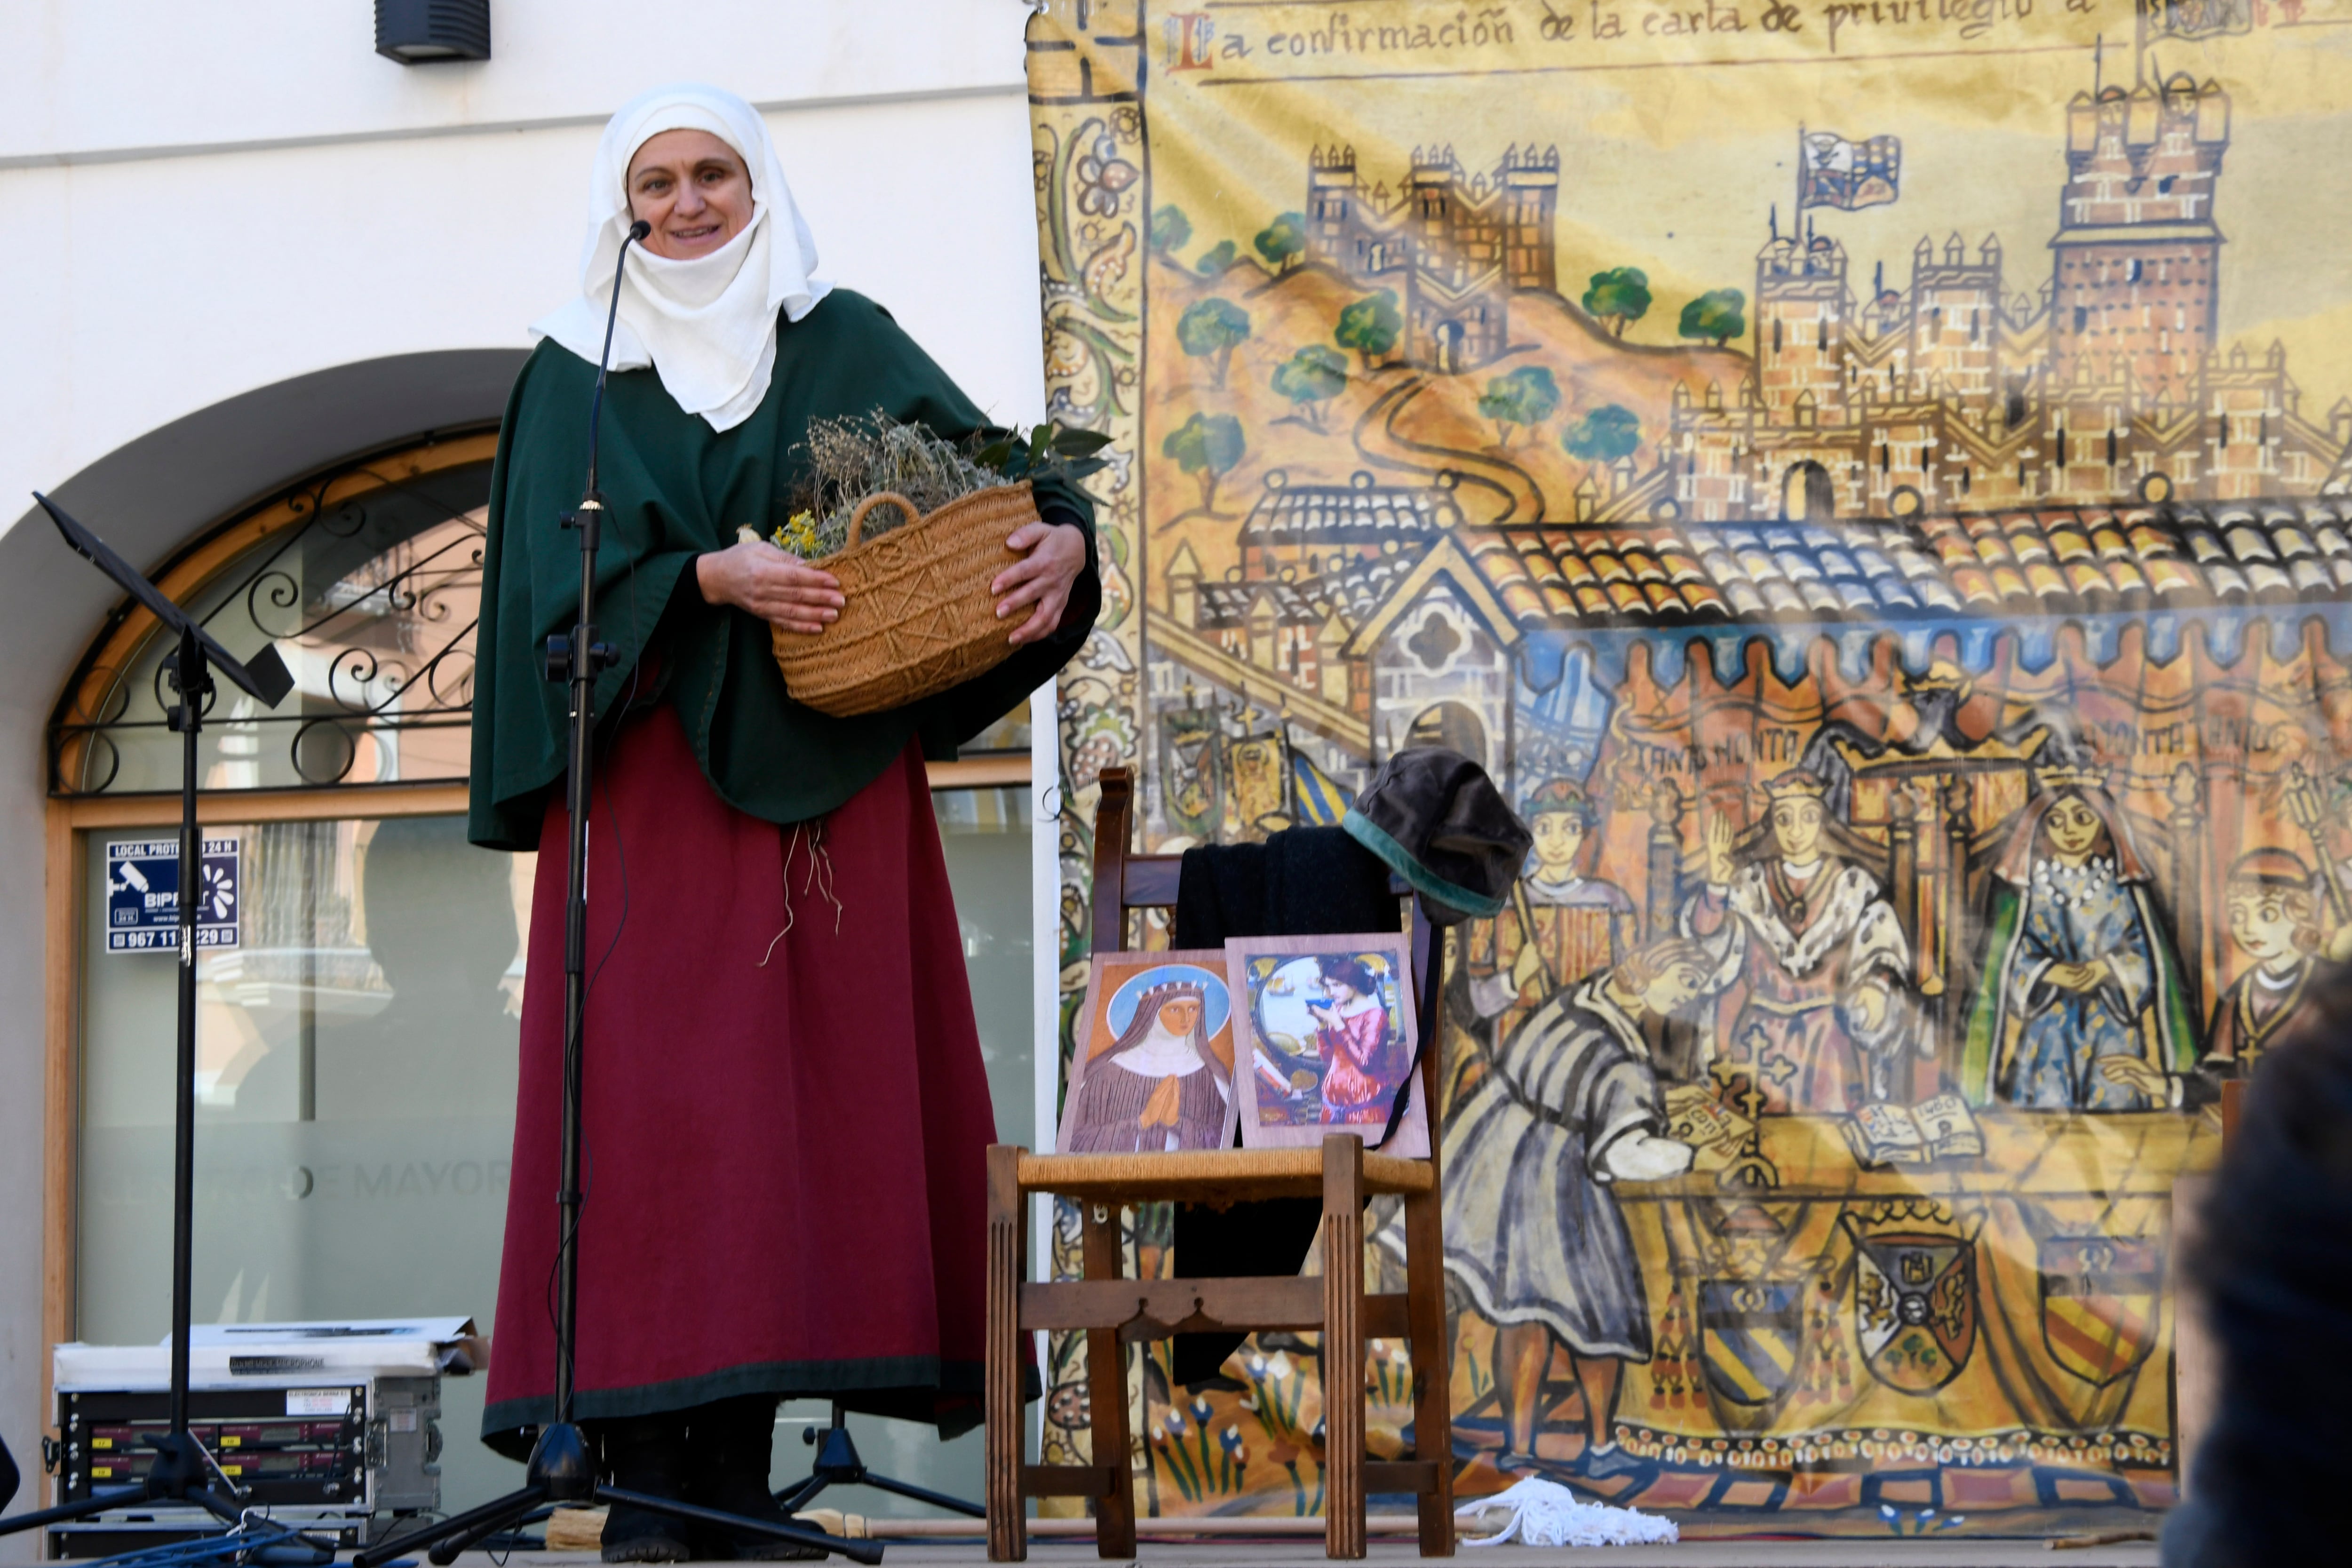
(858, 518)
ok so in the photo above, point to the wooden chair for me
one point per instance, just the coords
(1116, 1312)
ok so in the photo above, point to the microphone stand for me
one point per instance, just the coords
(181, 1471)
(562, 1468)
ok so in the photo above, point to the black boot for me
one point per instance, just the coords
(730, 1444)
(646, 1454)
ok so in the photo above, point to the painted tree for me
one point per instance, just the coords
(1211, 329)
(1371, 326)
(1617, 298)
(1719, 315)
(1310, 379)
(1217, 258)
(1603, 436)
(1283, 241)
(1525, 397)
(1207, 447)
(1170, 229)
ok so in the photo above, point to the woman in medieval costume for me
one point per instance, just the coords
(1822, 964)
(2078, 968)
(1571, 1105)
(1159, 1087)
(1364, 1058)
(786, 1107)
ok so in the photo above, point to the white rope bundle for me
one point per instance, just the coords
(1545, 1514)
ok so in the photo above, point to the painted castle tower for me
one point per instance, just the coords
(2139, 254)
(1978, 398)
(1453, 245)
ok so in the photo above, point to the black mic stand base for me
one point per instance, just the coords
(838, 1465)
(560, 1472)
(181, 1473)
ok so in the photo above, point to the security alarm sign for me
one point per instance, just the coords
(143, 895)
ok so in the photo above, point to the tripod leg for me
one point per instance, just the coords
(799, 1535)
(921, 1494)
(96, 1502)
(490, 1516)
(445, 1550)
(794, 1499)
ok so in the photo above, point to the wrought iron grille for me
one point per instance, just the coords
(369, 581)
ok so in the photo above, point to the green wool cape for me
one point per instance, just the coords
(678, 489)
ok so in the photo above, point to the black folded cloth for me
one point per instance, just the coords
(1303, 881)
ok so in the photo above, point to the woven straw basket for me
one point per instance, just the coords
(918, 618)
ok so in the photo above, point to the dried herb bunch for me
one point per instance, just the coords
(846, 461)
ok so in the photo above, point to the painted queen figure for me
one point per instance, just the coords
(1809, 939)
(2080, 1006)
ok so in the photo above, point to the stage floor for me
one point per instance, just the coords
(1696, 1555)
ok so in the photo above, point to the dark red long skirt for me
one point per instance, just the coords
(784, 1132)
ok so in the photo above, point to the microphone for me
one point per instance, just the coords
(576, 658)
(637, 231)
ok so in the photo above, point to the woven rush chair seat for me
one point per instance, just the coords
(1116, 1312)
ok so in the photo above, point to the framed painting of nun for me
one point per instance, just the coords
(1153, 1071)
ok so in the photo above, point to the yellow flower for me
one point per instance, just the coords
(798, 535)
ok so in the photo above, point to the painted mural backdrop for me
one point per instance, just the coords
(1870, 481)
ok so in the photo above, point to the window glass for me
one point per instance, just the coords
(1010, 734)
(356, 1087)
(355, 1077)
(371, 596)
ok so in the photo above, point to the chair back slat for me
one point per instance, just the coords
(1151, 881)
(1113, 821)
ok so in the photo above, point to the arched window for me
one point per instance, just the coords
(369, 582)
(1807, 493)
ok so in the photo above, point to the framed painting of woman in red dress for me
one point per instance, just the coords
(1331, 1030)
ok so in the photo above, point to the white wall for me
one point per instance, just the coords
(203, 201)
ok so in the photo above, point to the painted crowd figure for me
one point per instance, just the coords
(1571, 926)
(2080, 1006)
(1567, 1105)
(1822, 963)
(2275, 920)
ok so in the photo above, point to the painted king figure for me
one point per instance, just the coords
(1821, 961)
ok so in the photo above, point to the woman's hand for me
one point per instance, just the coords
(2139, 1077)
(781, 589)
(1054, 555)
(2078, 976)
